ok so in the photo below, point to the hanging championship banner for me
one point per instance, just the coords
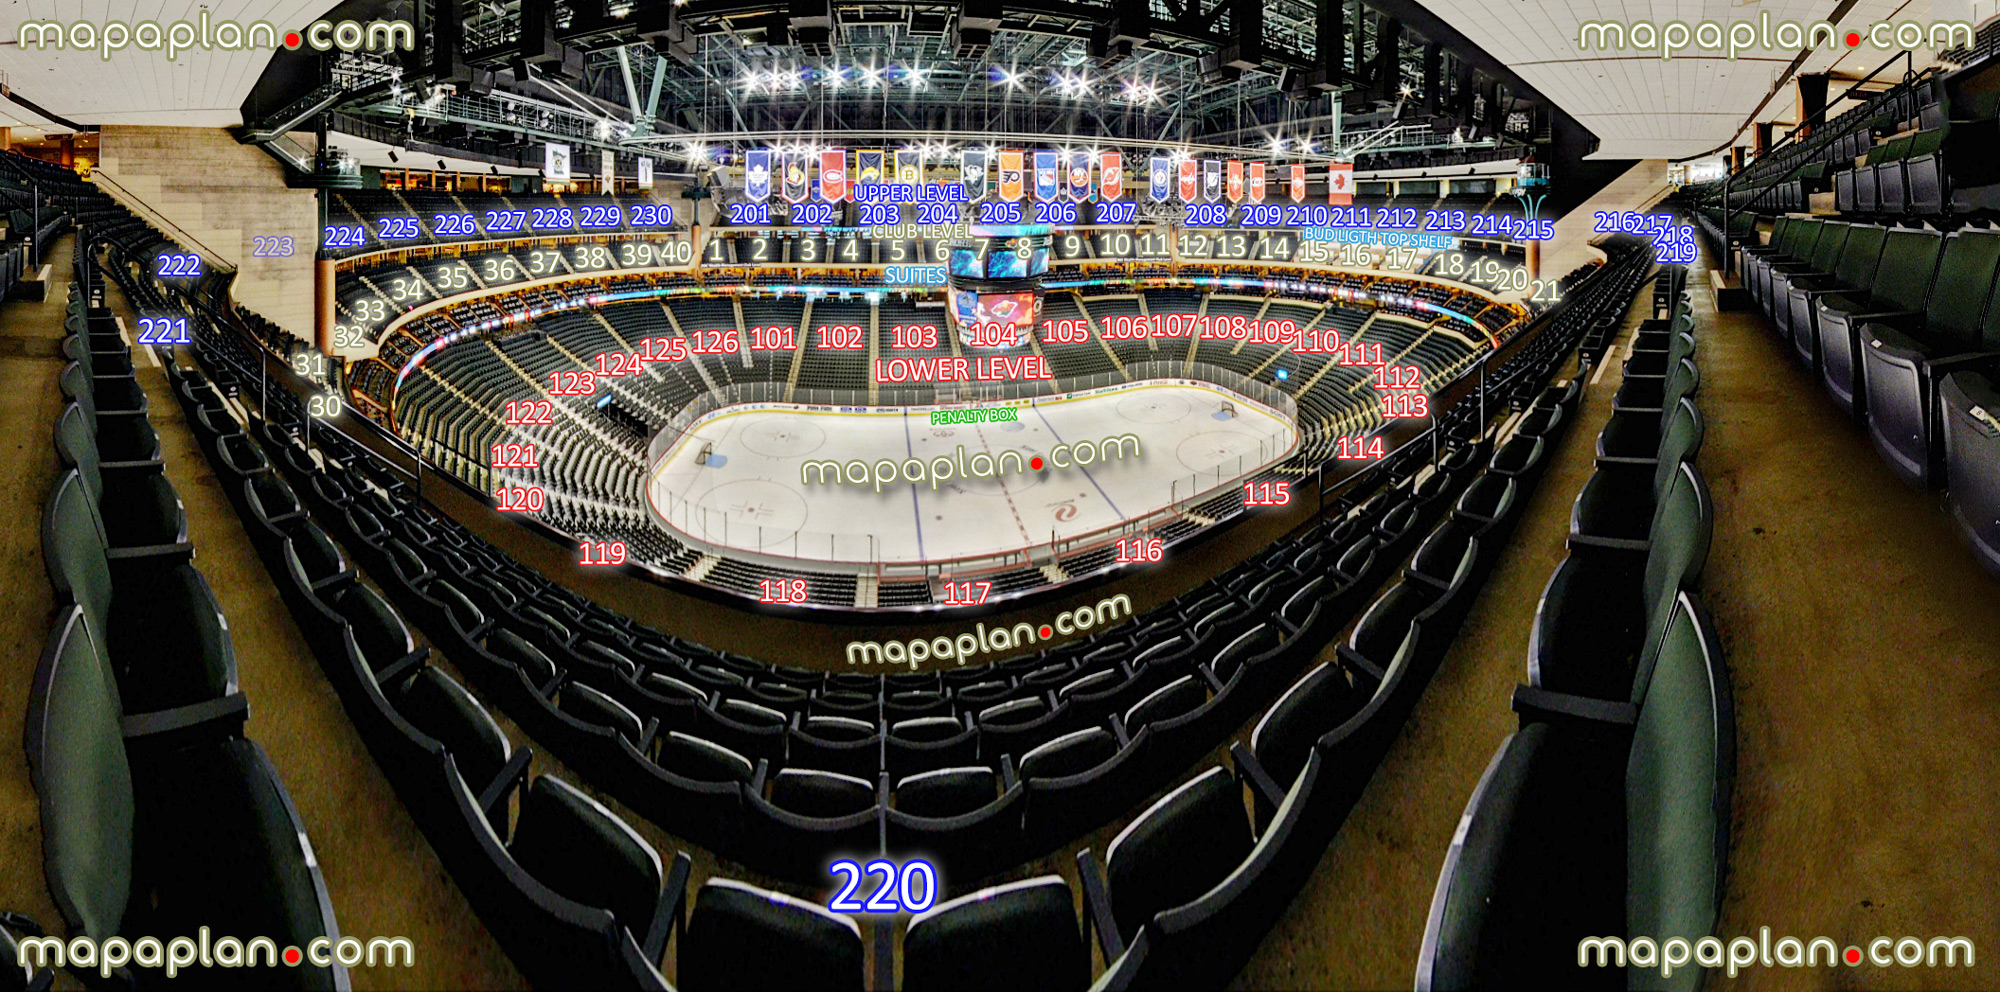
(1234, 186)
(1298, 184)
(1079, 175)
(1190, 180)
(1010, 176)
(1211, 180)
(1045, 175)
(795, 177)
(757, 175)
(972, 174)
(1162, 186)
(833, 175)
(909, 166)
(555, 162)
(1340, 183)
(868, 167)
(1256, 181)
(1111, 175)
(645, 173)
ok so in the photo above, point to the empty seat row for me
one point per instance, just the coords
(1612, 800)
(158, 816)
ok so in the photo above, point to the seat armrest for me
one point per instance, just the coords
(513, 773)
(182, 551)
(394, 671)
(1637, 545)
(1009, 778)
(759, 776)
(1538, 705)
(149, 466)
(1097, 906)
(1956, 363)
(1251, 772)
(337, 580)
(224, 715)
(668, 920)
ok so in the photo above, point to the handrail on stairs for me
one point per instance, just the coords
(159, 219)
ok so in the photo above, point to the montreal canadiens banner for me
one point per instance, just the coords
(1010, 176)
(757, 174)
(1111, 175)
(833, 175)
(1162, 188)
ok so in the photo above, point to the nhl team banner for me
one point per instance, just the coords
(868, 167)
(833, 175)
(1045, 175)
(909, 166)
(645, 173)
(757, 174)
(972, 173)
(1010, 175)
(1340, 183)
(795, 177)
(1235, 184)
(607, 172)
(1190, 180)
(1111, 175)
(1298, 184)
(1211, 180)
(1256, 188)
(1162, 179)
(1079, 175)
(555, 162)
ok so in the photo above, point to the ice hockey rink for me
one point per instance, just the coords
(746, 495)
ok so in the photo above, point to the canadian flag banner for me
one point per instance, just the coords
(1340, 183)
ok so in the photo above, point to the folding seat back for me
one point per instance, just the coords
(1177, 849)
(944, 792)
(1683, 522)
(1678, 783)
(1169, 702)
(701, 760)
(1861, 255)
(743, 937)
(76, 758)
(1021, 935)
(592, 706)
(378, 629)
(1909, 262)
(436, 704)
(572, 844)
(78, 447)
(810, 792)
(1070, 754)
(1953, 315)
(73, 551)
(1318, 702)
